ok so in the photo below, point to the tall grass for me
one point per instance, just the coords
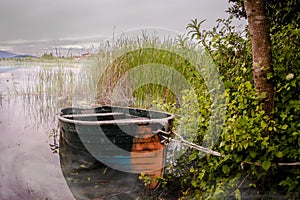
(42, 89)
(133, 61)
(135, 72)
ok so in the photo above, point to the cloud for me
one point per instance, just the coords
(35, 20)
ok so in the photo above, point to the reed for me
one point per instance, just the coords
(151, 54)
(42, 89)
(132, 65)
(46, 90)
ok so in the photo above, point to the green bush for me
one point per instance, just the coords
(259, 152)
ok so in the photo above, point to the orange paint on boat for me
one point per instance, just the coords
(148, 154)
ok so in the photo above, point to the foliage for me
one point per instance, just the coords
(47, 56)
(278, 12)
(253, 143)
(286, 61)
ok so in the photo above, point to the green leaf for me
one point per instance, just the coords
(252, 154)
(279, 154)
(284, 127)
(266, 165)
(192, 170)
(193, 157)
(194, 183)
(248, 85)
(263, 124)
(225, 169)
(245, 144)
(238, 194)
(201, 175)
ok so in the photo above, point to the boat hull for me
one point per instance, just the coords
(121, 138)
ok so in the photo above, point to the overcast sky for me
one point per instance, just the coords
(34, 24)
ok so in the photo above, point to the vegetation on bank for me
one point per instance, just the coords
(262, 154)
(49, 58)
(261, 151)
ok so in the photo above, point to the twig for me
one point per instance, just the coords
(274, 164)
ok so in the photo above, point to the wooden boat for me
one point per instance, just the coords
(125, 139)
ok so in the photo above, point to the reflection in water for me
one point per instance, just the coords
(89, 179)
(28, 168)
(30, 97)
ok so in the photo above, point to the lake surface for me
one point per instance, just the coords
(31, 167)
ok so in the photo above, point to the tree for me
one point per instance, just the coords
(267, 160)
(261, 52)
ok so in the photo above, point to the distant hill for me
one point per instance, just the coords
(6, 54)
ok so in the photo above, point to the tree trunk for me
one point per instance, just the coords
(261, 52)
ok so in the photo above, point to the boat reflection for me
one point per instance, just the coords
(87, 178)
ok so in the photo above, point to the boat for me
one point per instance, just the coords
(131, 140)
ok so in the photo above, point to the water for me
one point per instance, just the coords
(7, 69)
(31, 167)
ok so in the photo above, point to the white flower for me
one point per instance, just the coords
(289, 76)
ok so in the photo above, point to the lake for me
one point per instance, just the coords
(33, 163)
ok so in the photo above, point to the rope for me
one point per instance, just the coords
(195, 146)
(166, 139)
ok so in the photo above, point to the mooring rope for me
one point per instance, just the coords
(195, 146)
(167, 139)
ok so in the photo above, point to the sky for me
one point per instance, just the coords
(37, 26)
